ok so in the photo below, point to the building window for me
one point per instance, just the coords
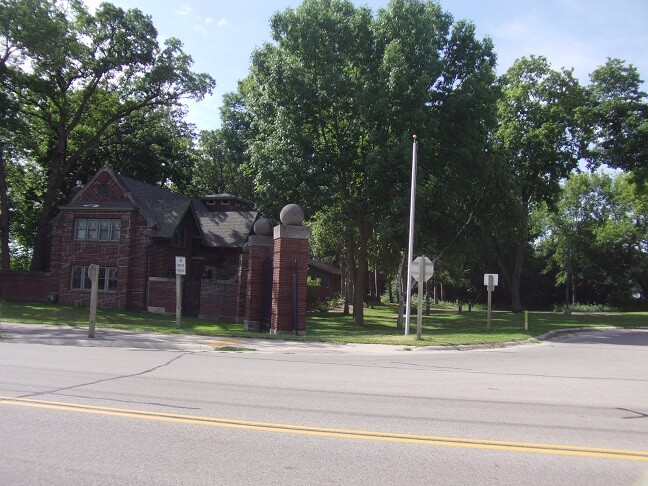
(97, 229)
(81, 278)
(179, 238)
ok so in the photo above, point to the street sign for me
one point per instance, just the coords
(429, 268)
(494, 275)
(181, 265)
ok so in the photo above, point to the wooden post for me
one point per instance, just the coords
(93, 271)
(178, 300)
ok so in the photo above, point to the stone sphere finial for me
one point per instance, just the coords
(246, 248)
(292, 214)
(263, 227)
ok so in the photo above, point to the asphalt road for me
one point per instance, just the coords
(571, 411)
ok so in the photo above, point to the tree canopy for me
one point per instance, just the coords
(74, 75)
(336, 98)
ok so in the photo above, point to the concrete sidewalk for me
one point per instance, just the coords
(78, 336)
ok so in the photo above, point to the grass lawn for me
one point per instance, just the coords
(442, 327)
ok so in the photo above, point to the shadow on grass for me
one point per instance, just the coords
(442, 327)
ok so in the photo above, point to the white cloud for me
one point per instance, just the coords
(222, 22)
(184, 10)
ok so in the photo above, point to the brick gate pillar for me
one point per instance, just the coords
(259, 247)
(290, 266)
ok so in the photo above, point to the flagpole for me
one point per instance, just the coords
(410, 251)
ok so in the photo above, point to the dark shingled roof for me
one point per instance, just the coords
(224, 228)
(163, 207)
(166, 209)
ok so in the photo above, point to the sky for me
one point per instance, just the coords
(220, 35)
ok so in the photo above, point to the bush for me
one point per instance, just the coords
(578, 307)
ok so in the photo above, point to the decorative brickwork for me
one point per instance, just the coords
(260, 248)
(290, 255)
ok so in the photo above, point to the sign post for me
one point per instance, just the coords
(422, 271)
(180, 270)
(93, 273)
(490, 280)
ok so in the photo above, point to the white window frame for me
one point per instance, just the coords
(90, 229)
(80, 273)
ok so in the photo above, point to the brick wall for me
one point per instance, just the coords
(219, 299)
(103, 189)
(25, 285)
(162, 295)
(129, 255)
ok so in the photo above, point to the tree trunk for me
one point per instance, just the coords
(513, 278)
(399, 289)
(344, 284)
(376, 285)
(5, 259)
(60, 165)
(40, 258)
(516, 278)
(360, 283)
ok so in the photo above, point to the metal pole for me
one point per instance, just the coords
(410, 251)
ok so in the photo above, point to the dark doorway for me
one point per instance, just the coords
(191, 298)
(266, 295)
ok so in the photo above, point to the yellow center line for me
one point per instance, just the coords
(555, 449)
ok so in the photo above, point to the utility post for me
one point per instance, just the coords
(422, 271)
(181, 269)
(490, 280)
(93, 272)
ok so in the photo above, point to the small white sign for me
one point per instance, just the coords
(181, 265)
(494, 275)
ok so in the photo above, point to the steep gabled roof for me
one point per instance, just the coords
(224, 228)
(163, 207)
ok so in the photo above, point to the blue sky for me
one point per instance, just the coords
(220, 35)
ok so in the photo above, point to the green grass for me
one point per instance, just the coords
(443, 327)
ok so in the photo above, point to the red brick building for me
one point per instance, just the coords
(134, 231)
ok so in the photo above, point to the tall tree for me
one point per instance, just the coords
(334, 102)
(599, 231)
(223, 163)
(537, 144)
(619, 115)
(65, 65)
